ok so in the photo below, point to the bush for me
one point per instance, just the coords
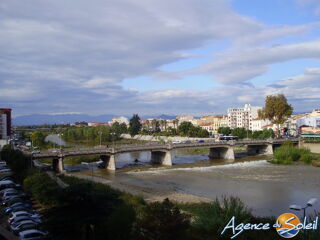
(287, 154)
(211, 218)
(163, 221)
(42, 188)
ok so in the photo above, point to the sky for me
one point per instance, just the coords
(157, 57)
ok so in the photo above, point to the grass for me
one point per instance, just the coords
(196, 151)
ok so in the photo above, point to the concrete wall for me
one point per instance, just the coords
(159, 138)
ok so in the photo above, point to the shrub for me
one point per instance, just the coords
(287, 154)
(42, 188)
(162, 221)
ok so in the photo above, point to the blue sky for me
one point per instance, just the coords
(150, 57)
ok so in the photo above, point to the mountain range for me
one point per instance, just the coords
(39, 119)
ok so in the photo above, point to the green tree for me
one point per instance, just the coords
(155, 125)
(184, 128)
(163, 221)
(224, 130)
(276, 109)
(241, 133)
(37, 138)
(17, 161)
(135, 125)
(80, 210)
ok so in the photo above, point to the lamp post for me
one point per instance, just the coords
(295, 207)
(112, 134)
(100, 133)
(60, 140)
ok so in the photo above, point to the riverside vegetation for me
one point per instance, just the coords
(289, 154)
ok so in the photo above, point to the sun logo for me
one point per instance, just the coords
(287, 225)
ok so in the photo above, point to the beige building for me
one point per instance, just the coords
(212, 123)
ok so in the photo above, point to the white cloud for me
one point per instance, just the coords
(314, 3)
(242, 65)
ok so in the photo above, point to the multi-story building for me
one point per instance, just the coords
(242, 117)
(5, 123)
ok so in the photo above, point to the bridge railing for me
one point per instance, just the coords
(155, 146)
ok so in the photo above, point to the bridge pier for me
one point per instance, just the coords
(162, 157)
(260, 149)
(58, 165)
(222, 152)
(110, 161)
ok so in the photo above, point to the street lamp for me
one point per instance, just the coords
(295, 207)
(60, 140)
(112, 134)
(100, 133)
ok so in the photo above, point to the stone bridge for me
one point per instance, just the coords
(163, 153)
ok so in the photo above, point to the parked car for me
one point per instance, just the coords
(200, 141)
(12, 194)
(35, 151)
(23, 226)
(15, 215)
(32, 235)
(176, 142)
(7, 190)
(17, 220)
(8, 184)
(9, 210)
(11, 201)
(5, 170)
(8, 177)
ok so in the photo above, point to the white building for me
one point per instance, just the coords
(184, 118)
(257, 124)
(242, 117)
(310, 120)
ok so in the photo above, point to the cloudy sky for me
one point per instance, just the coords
(153, 57)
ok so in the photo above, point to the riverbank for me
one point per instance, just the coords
(149, 194)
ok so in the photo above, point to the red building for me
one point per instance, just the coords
(5, 126)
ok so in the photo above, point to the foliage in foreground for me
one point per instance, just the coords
(17, 162)
(96, 211)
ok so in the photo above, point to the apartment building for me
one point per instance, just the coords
(242, 117)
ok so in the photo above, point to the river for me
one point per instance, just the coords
(267, 189)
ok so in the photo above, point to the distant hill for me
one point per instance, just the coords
(39, 119)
